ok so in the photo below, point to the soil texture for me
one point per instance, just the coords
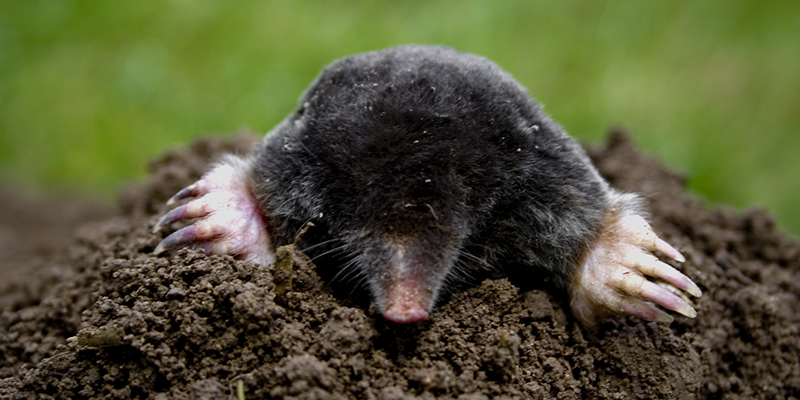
(88, 313)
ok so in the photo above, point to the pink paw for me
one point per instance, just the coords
(229, 219)
(610, 277)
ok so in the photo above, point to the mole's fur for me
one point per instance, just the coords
(420, 166)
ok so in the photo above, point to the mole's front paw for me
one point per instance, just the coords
(229, 219)
(610, 275)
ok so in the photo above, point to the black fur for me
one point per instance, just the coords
(434, 149)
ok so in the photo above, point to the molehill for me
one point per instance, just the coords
(88, 313)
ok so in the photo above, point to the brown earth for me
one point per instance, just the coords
(88, 313)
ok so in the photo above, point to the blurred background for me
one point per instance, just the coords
(92, 90)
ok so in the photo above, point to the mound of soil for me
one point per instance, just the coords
(102, 318)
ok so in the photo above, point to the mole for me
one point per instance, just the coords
(421, 166)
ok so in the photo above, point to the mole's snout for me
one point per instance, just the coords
(407, 300)
(408, 281)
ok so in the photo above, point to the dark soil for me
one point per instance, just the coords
(92, 315)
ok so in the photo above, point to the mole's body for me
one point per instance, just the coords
(419, 165)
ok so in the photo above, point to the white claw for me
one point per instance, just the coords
(612, 274)
(636, 285)
(644, 310)
(651, 266)
(669, 251)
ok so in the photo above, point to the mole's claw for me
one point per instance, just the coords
(636, 285)
(651, 266)
(182, 194)
(178, 238)
(229, 220)
(211, 202)
(641, 232)
(612, 274)
(174, 215)
(644, 310)
(668, 250)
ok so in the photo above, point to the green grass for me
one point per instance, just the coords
(89, 91)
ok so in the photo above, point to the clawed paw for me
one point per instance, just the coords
(229, 220)
(611, 276)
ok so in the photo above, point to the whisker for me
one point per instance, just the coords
(351, 276)
(481, 261)
(357, 285)
(323, 243)
(458, 275)
(331, 251)
(347, 271)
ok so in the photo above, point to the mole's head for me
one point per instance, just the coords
(398, 158)
(395, 204)
(394, 201)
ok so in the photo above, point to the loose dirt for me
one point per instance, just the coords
(88, 313)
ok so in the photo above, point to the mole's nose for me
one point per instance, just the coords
(405, 313)
(408, 295)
